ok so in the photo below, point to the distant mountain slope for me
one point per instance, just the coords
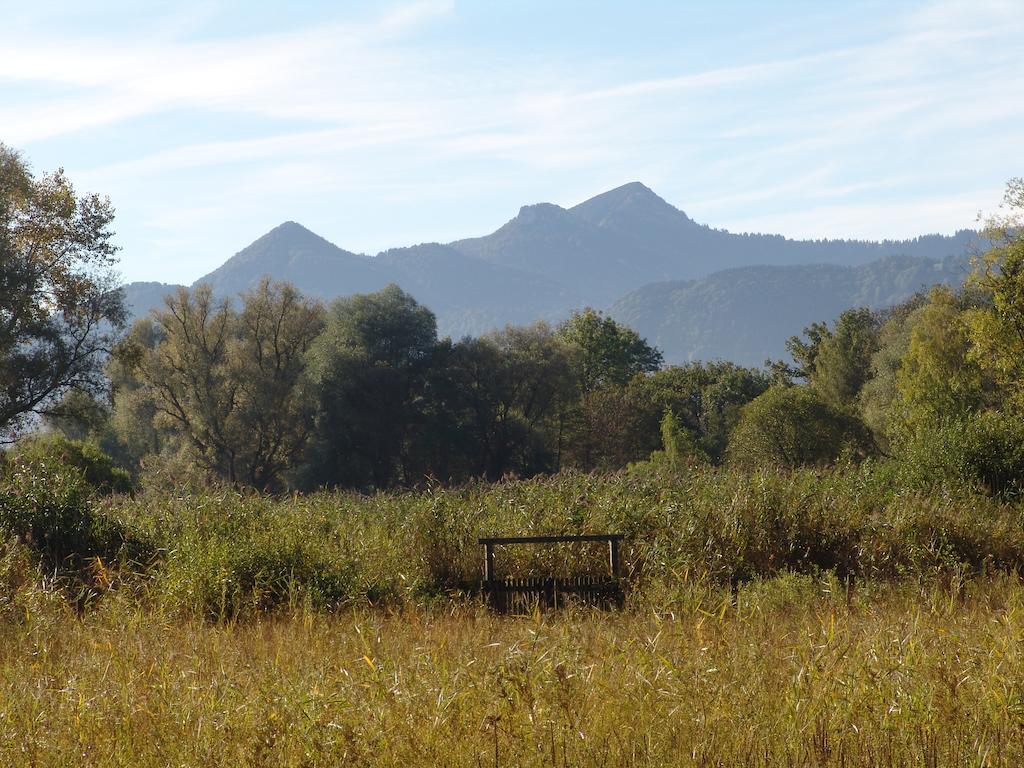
(547, 261)
(567, 249)
(142, 298)
(309, 262)
(629, 236)
(746, 314)
(470, 295)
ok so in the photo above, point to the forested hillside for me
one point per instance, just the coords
(744, 314)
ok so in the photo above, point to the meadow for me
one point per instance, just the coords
(812, 617)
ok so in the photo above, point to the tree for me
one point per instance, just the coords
(612, 427)
(939, 378)
(679, 446)
(842, 364)
(225, 385)
(837, 360)
(514, 385)
(133, 421)
(795, 426)
(877, 398)
(607, 353)
(60, 309)
(997, 331)
(804, 352)
(368, 371)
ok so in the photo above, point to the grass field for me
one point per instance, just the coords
(790, 671)
(800, 618)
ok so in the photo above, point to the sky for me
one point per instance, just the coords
(393, 123)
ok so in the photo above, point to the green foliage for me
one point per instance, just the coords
(878, 396)
(49, 492)
(619, 425)
(517, 384)
(254, 558)
(679, 447)
(46, 452)
(938, 378)
(794, 426)
(79, 415)
(231, 555)
(804, 350)
(226, 386)
(606, 352)
(997, 331)
(58, 295)
(983, 452)
(707, 397)
(836, 361)
(842, 365)
(368, 371)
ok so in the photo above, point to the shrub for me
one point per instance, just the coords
(49, 503)
(792, 427)
(97, 468)
(233, 556)
(982, 452)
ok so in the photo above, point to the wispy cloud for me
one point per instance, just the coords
(853, 138)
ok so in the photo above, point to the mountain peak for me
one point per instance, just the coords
(290, 229)
(633, 207)
(631, 195)
(632, 188)
(291, 252)
(540, 212)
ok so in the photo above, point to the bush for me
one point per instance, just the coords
(792, 427)
(233, 556)
(49, 503)
(98, 470)
(981, 452)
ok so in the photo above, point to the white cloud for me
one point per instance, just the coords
(365, 105)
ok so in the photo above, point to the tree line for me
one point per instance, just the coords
(276, 391)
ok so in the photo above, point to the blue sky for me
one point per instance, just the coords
(386, 124)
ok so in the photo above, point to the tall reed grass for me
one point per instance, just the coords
(793, 670)
(222, 555)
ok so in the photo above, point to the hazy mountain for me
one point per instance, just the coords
(566, 249)
(629, 237)
(143, 297)
(293, 253)
(549, 260)
(746, 314)
(470, 295)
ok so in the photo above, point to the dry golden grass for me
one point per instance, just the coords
(789, 671)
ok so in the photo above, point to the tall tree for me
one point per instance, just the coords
(842, 364)
(60, 309)
(938, 378)
(997, 331)
(369, 370)
(879, 393)
(514, 385)
(835, 361)
(607, 352)
(226, 383)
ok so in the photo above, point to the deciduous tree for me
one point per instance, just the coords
(226, 384)
(60, 309)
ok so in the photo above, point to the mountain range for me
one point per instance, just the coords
(696, 292)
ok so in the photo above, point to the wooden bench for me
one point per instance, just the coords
(521, 595)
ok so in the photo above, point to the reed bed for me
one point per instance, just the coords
(793, 670)
(772, 618)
